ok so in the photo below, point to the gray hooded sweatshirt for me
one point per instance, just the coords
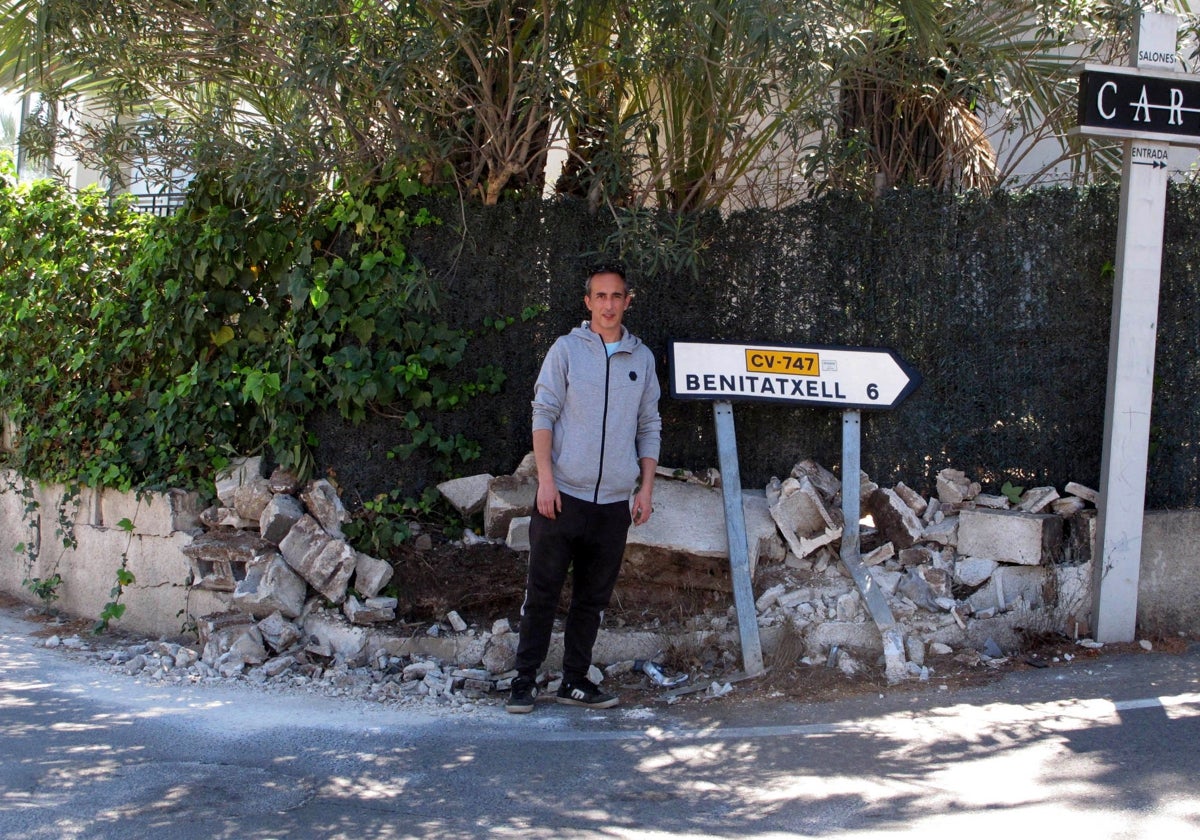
(602, 411)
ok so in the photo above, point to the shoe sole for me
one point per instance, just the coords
(603, 704)
(519, 710)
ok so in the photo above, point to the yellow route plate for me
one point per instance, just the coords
(785, 362)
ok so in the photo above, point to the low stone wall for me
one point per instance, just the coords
(1169, 581)
(36, 520)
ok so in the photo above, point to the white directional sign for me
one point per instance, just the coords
(841, 377)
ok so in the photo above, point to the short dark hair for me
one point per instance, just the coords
(606, 267)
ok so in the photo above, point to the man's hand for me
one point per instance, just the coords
(642, 506)
(549, 502)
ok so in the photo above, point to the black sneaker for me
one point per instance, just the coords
(523, 696)
(584, 693)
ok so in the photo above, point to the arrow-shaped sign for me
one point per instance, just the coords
(1157, 164)
(841, 377)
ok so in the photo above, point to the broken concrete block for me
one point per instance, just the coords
(1067, 506)
(325, 563)
(912, 498)
(865, 488)
(251, 498)
(469, 494)
(1081, 537)
(331, 634)
(500, 653)
(371, 575)
(508, 497)
(306, 536)
(1036, 499)
(283, 482)
(456, 621)
(278, 516)
(847, 606)
(915, 588)
(518, 533)
(820, 636)
(939, 581)
(974, 571)
(1073, 587)
(279, 633)
(953, 487)
(686, 544)
(986, 500)
(915, 649)
(918, 555)
(1031, 585)
(223, 633)
(215, 518)
(826, 482)
(769, 598)
(894, 518)
(370, 611)
(807, 547)
(321, 499)
(799, 511)
(1011, 536)
(793, 599)
(888, 581)
(275, 667)
(270, 586)
(882, 554)
(943, 532)
(219, 558)
(239, 472)
(528, 466)
(1082, 491)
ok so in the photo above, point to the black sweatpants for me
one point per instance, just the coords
(588, 540)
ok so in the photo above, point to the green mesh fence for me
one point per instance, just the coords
(1002, 303)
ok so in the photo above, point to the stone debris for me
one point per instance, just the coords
(270, 586)
(956, 569)
(324, 504)
(960, 571)
(468, 495)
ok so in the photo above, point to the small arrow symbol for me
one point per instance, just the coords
(1157, 164)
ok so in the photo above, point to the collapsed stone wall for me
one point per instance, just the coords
(964, 573)
(961, 571)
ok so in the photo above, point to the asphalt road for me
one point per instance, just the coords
(1103, 750)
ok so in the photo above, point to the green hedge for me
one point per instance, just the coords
(146, 352)
(347, 337)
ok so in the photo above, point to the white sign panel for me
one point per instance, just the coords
(841, 377)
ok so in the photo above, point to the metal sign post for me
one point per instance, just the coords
(851, 378)
(735, 527)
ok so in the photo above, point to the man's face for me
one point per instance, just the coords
(608, 300)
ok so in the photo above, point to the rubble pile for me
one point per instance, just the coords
(280, 554)
(962, 571)
(959, 569)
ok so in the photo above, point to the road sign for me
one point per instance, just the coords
(1133, 103)
(836, 377)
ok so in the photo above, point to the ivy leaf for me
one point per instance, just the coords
(222, 336)
(125, 525)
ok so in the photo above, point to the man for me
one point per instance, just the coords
(596, 435)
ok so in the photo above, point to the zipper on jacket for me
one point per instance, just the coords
(603, 426)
